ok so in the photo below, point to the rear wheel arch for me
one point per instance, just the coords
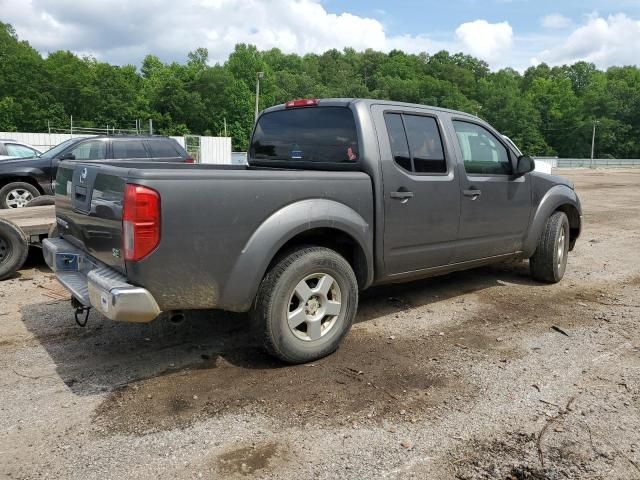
(311, 222)
(333, 239)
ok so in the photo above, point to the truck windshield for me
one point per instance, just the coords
(306, 135)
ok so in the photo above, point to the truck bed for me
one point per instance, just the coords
(211, 216)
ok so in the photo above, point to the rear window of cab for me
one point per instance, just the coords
(306, 137)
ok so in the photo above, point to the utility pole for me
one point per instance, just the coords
(593, 141)
(150, 127)
(259, 75)
(225, 127)
(71, 117)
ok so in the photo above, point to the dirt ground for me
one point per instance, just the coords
(478, 375)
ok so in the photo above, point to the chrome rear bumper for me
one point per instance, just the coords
(97, 285)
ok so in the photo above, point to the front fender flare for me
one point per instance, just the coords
(557, 197)
(281, 227)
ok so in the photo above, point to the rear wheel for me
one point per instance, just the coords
(14, 248)
(306, 304)
(17, 194)
(549, 262)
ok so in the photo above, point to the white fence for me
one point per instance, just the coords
(598, 162)
(212, 149)
(215, 150)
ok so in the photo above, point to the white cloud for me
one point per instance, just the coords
(489, 41)
(123, 31)
(614, 40)
(556, 21)
(110, 27)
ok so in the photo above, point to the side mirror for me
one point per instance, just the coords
(68, 156)
(525, 164)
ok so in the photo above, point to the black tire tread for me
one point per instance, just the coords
(19, 245)
(41, 201)
(265, 298)
(542, 262)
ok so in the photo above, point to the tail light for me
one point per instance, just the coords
(140, 221)
(189, 160)
(308, 102)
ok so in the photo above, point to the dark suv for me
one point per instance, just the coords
(23, 179)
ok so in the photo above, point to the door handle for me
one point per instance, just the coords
(473, 193)
(401, 195)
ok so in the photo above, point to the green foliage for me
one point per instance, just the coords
(546, 110)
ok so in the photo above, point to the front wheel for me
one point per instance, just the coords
(549, 262)
(17, 194)
(306, 304)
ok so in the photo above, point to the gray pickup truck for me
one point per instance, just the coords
(339, 195)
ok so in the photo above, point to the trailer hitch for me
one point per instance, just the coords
(79, 310)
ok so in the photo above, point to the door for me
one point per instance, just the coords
(420, 188)
(495, 205)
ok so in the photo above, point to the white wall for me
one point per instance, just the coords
(215, 150)
(42, 141)
(212, 149)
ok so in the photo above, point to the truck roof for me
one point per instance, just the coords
(345, 102)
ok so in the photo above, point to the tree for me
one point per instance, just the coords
(546, 110)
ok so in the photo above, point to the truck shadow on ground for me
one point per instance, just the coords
(106, 355)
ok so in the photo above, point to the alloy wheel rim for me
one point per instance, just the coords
(561, 246)
(314, 307)
(18, 198)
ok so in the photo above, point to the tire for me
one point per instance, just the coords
(42, 200)
(549, 261)
(314, 332)
(17, 194)
(14, 248)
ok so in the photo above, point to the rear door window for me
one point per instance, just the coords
(129, 149)
(162, 149)
(313, 135)
(398, 141)
(416, 144)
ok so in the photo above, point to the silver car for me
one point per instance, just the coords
(15, 149)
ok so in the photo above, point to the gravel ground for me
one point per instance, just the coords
(477, 375)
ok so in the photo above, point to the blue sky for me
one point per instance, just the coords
(442, 17)
(504, 33)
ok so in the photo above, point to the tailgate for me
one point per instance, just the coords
(89, 210)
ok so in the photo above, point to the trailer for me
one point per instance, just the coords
(21, 228)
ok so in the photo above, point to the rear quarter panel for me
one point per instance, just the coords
(221, 228)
